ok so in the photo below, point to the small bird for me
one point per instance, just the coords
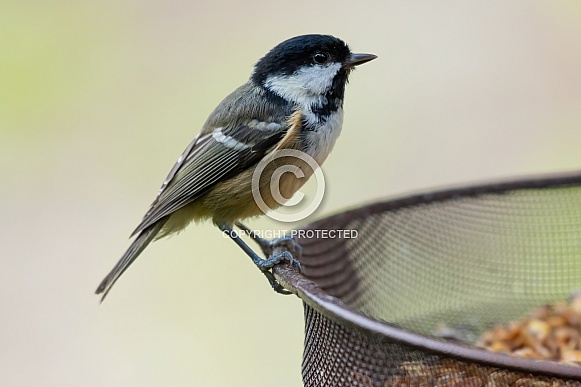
(293, 100)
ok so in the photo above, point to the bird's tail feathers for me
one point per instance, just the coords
(138, 245)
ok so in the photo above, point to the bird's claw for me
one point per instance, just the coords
(279, 250)
(273, 260)
(276, 286)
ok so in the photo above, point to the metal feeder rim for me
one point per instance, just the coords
(335, 310)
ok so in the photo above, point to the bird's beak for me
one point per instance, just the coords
(357, 59)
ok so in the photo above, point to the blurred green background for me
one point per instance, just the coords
(98, 99)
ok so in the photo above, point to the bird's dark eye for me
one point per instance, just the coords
(320, 57)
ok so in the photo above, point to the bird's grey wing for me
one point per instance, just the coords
(210, 158)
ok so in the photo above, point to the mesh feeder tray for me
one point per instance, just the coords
(467, 259)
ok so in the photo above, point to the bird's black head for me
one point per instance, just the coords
(306, 68)
(300, 51)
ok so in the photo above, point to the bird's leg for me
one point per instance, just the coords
(262, 243)
(264, 265)
(268, 247)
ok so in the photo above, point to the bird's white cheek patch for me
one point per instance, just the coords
(307, 85)
(228, 141)
(318, 79)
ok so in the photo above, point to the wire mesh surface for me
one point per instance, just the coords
(467, 258)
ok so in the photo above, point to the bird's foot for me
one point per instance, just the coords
(268, 247)
(274, 250)
(275, 259)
